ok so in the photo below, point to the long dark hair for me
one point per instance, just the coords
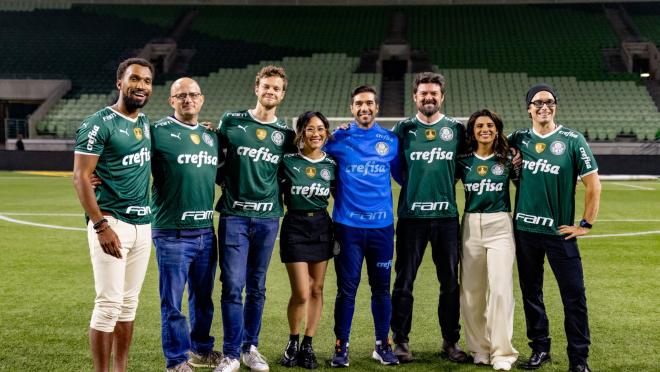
(302, 122)
(500, 145)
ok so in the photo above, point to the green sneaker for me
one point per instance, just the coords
(210, 360)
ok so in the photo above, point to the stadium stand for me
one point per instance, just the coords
(490, 55)
(646, 17)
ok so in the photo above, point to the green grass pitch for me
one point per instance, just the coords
(46, 290)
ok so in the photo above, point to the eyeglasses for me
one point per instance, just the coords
(539, 104)
(182, 96)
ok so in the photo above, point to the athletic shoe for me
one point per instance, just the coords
(181, 367)
(340, 358)
(306, 357)
(228, 364)
(209, 360)
(384, 354)
(290, 355)
(255, 361)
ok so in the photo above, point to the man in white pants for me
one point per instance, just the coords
(115, 144)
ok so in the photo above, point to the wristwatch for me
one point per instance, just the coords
(584, 223)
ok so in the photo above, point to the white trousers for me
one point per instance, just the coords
(487, 302)
(118, 281)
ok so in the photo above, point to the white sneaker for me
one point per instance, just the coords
(502, 366)
(255, 361)
(228, 364)
(481, 358)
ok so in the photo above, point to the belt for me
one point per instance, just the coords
(307, 213)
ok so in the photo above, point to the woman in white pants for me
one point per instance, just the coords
(488, 247)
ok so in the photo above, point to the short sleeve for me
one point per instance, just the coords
(586, 163)
(91, 137)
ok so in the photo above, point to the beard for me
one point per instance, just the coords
(428, 111)
(132, 104)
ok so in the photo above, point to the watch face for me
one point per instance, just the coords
(586, 224)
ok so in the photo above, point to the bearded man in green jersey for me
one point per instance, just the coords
(115, 143)
(184, 166)
(553, 157)
(429, 145)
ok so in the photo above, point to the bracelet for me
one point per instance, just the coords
(99, 223)
(102, 229)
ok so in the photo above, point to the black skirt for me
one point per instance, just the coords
(306, 237)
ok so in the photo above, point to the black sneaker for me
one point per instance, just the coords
(290, 355)
(340, 358)
(306, 356)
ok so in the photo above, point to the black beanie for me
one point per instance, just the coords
(540, 88)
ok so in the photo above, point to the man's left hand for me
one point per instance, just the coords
(572, 231)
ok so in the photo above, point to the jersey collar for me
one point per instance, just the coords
(174, 119)
(259, 121)
(313, 160)
(547, 134)
(442, 116)
(483, 158)
(126, 117)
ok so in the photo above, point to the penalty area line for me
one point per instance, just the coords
(4, 218)
(633, 186)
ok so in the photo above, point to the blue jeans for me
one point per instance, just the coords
(356, 245)
(182, 259)
(246, 245)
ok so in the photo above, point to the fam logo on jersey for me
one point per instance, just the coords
(207, 139)
(194, 137)
(540, 147)
(277, 137)
(430, 134)
(138, 133)
(482, 170)
(382, 148)
(446, 134)
(310, 172)
(497, 169)
(261, 134)
(557, 147)
(325, 174)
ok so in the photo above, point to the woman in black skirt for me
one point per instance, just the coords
(306, 236)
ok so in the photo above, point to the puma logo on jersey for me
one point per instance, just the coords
(243, 127)
(177, 136)
(526, 143)
(297, 169)
(413, 132)
(468, 168)
(125, 131)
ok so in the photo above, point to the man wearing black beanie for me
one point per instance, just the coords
(553, 156)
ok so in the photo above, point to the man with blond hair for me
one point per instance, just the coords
(255, 141)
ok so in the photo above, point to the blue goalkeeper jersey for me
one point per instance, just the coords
(363, 196)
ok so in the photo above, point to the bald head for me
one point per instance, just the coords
(186, 99)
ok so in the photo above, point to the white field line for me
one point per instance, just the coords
(41, 224)
(621, 234)
(633, 186)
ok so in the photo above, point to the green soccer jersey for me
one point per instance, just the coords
(545, 198)
(184, 163)
(123, 146)
(486, 183)
(428, 154)
(254, 151)
(305, 183)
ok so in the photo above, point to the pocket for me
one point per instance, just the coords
(571, 248)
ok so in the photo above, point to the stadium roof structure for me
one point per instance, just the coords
(65, 3)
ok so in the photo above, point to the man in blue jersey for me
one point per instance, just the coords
(363, 217)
